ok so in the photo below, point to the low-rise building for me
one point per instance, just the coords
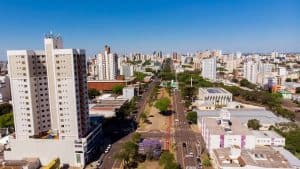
(258, 158)
(265, 117)
(107, 106)
(225, 132)
(268, 138)
(217, 96)
(129, 92)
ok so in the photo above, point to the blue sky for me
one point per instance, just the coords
(148, 25)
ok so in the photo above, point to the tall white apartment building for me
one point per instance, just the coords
(127, 70)
(209, 68)
(108, 65)
(50, 103)
(251, 71)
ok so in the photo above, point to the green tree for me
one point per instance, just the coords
(192, 117)
(234, 80)
(117, 89)
(93, 93)
(206, 161)
(171, 165)
(143, 116)
(7, 120)
(166, 157)
(136, 137)
(246, 83)
(162, 104)
(297, 89)
(254, 124)
(168, 161)
(139, 76)
(5, 108)
(288, 80)
(127, 153)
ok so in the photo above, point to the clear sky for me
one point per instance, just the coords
(148, 25)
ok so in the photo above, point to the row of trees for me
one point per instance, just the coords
(291, 132)
(272, 101)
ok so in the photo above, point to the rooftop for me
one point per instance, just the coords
(213, 90)
(245, 114)
(264, 157)
(235, 128)
(266, 134)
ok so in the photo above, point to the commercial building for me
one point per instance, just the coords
(5, 94)
(129, 92)
(258, 158)
(268, 138)
(107, 85)
(107, 105)
(251, 71)
(209, 68)
(107, 65)
(126, 70)
(265, 117)
(216, 96)
(225, 132)
(50, 103)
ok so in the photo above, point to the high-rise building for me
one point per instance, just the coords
(251, 71)
(50, 103)
(107, 65)
(209, 68)
(127, 70)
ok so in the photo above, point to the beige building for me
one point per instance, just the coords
(50, 103)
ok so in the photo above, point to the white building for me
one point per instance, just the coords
(107, 65)
(225, 132)
(251, 71)
(209, 68)
(216, 96)
(50, 103)
(128, 92)
(127, 70)
(258, 158)
(5, 95)
(268, 138)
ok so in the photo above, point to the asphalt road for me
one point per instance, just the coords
(185, 138)
(108, 161)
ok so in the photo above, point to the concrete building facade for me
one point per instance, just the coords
(209, 68)
(50, 103)
(216, 96)
(107, 65)
(5, 94)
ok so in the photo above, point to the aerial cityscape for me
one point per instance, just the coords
(150, 84)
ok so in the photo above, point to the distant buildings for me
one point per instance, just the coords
(251, 71)
(127, 70)
(5, 94)
(50, 103)
(107, 65)
(209, 68)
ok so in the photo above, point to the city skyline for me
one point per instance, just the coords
(246, 26)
